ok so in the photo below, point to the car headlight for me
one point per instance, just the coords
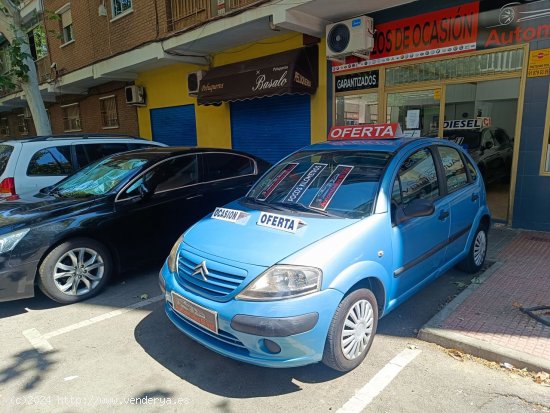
(9, 241)
(173, 257)
(283, 281)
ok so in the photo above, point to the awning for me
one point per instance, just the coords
(294, 71)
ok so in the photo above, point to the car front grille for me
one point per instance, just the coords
(221, 280)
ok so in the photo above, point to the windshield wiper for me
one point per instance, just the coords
(305, 208)
(263, 203)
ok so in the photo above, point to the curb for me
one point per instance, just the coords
(433, 332)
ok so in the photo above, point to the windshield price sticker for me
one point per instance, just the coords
(381, 131)
(329, 188)
(275, 181)
(303, 184)
(231, 215)
(279, 222)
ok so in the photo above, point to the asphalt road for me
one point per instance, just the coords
(119, 352)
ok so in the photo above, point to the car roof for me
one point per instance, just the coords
(158, 153)
(75, 137)
(376, 145)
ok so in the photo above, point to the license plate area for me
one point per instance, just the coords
(193, 312)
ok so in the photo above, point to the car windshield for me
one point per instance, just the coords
(470, 138)
(329, 182)
(99, 178)
(5, 152)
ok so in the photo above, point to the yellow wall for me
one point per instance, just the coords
(167, 87)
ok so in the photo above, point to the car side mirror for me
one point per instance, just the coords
(488, 145)
(419, 208)
(146, 190)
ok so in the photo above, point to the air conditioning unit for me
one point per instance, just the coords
(194, 82)
(27, 113)
(350, 37)
(135, 95)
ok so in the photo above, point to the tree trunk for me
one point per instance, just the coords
(13, 30)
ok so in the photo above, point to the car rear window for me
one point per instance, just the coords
(52, 161)
(5, 152)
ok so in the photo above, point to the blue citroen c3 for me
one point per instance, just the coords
(330, 239)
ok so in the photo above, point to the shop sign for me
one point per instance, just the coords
(357, 81)
(539, 63)
(476, 123)
(472, 26)
(381, 131)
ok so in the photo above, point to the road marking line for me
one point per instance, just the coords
(374, 387)
(40, 341)
(37, 340)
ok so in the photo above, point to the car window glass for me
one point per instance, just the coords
(455, 171)
(5, 152)
(173, 174)
(501, 137)
(132, 146)
(95, 151)
(226, 165)
(486, 136)
(418, 177)
(51, 161)
(81, 158)
(472, 169)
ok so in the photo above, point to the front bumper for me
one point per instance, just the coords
(16, 281)
(286, 333)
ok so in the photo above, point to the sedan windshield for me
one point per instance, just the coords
(335, 183)
(99, 178)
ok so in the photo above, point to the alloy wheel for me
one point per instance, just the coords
(78, 271)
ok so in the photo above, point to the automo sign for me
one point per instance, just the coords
(357, 81)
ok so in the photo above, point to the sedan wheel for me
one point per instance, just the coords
(78, 271)
(75, 270)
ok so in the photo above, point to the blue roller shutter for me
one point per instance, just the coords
(271, 127)
(174, 126)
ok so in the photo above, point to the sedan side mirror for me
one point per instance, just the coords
(145, 191)
(488, 145)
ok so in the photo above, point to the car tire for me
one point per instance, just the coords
(476, 254)
(83, 260)
(356, 317)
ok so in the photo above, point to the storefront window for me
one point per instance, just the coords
(486, 64)
(357, 109)
(417, 112)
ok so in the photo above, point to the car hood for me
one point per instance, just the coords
(253, 244)
(31, 209)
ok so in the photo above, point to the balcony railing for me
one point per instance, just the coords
(186, 13)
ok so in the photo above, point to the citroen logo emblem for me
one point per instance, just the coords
(202, 270)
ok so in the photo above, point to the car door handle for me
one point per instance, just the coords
(475, 197)
(193, 197)
(443, 215)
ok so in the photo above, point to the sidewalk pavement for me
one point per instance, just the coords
(485, 320)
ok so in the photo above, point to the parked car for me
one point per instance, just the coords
(333, 237)
(114, 214)
(30, 164)
(491, 148)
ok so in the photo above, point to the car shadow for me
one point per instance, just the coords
(36, 303)
(214, 373)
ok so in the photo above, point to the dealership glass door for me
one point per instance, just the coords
(481, 116)
(357, 109)
(416, 111)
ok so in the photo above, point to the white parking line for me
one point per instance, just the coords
(374, 387)
(40, 341)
